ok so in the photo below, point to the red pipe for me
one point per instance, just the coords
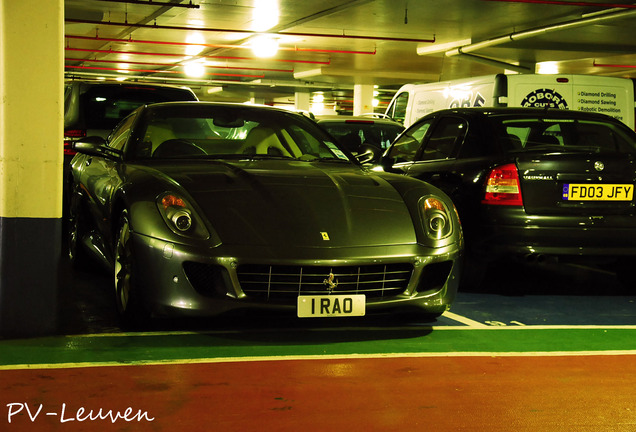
(570, 3)
(98, 38)
(164, 27)
(110, 51)
(615, 65)
(174, 65)
(159, 71)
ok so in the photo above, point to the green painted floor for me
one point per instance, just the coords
(162, 347)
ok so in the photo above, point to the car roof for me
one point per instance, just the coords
(226, 104)
(90, 83)
(538, 112)
(158, 105)
(362, 118)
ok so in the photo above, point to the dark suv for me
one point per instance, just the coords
(96, 107)
(530, 183)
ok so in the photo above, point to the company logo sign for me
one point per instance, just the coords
(467, 100)
(544, 98)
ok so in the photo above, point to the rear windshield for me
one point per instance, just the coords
(105, 105)
(560, 134)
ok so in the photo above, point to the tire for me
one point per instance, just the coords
(127, 294)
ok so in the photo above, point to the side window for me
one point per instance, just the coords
(448, 133)
(397, 110)
(406, 147)
(121, 133)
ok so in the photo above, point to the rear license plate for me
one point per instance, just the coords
(598, 192)
(331, 305)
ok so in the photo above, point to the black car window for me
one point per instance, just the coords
(406, 147)
(104, 106)
(119, 136)
(448, 133)
(569, 134)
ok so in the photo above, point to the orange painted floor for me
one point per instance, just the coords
(463, 393)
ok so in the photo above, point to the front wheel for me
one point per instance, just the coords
(127, 295)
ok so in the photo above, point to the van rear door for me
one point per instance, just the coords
(597, 94)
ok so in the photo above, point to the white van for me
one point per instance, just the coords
(592, 93)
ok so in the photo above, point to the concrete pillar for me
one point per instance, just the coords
(31, 129)
(302, 101)
(362, 99)
(256, 100)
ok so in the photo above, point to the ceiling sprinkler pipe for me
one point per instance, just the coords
(155, 42)
(596, 19)
(204, 29)
(570, 3)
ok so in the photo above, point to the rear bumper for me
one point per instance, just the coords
(505, 232)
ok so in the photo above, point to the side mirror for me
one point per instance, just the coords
(368, 154)
(96, 146)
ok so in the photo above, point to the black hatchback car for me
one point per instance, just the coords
(530, 183)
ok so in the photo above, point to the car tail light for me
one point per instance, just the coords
(68, 148)
(502, 186)
(74, 133)
(68, 143)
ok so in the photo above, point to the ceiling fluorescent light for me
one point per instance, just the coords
(439, 48)
(194, 69)
(264, 46)
(547, 68)
(308, 73)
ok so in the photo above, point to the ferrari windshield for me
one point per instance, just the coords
(200, 130)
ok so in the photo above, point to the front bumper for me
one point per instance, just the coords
(179, 280)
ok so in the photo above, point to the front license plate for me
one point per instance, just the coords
(331, 305)
(598, 192)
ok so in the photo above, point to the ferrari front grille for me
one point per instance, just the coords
(265, 282)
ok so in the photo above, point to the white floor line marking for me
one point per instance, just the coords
(318, 357)
(464, 320)
(469, 325)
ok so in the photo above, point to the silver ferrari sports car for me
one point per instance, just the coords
(202, 209)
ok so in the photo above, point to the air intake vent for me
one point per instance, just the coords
(280, 283)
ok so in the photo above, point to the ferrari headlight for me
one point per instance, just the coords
(180, 217)
(436, 218)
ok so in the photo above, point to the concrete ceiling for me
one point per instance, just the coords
(330, 45)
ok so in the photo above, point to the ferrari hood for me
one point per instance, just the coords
(296, 203)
